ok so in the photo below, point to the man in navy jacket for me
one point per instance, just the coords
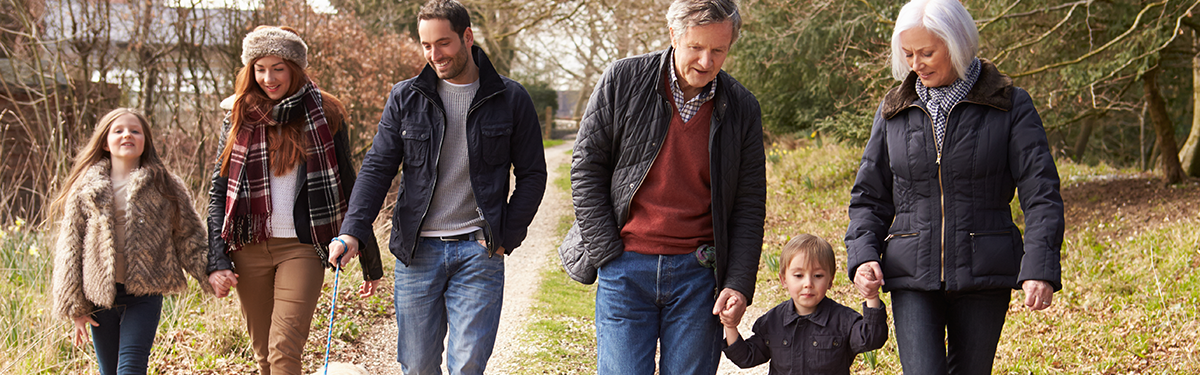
(454, 131)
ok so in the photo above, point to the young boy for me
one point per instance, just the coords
(809, 334)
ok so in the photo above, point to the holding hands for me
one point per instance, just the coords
(730, 306)
(867, 280)
(222, 281)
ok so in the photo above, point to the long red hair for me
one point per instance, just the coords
(286, 148)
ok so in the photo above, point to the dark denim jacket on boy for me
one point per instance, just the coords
(824, 342)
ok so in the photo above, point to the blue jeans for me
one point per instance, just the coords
(453, 285)
(948, 332)
(642, 300)
(126, 333)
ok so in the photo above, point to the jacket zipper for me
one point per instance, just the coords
(638, 186)
(941, 192)
(487, 230)
(901, 235)
(487, 227)
(941, 187)
(992, 233)
(436, 158)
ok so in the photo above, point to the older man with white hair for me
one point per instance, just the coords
(929, 212)
(669, 189)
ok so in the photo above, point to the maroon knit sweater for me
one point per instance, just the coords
(671, 213)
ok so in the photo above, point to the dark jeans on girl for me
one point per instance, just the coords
(126, 333)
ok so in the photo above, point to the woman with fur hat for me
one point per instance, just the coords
(128, 227)
(279, 191)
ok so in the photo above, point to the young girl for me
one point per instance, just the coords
(279, 193)
(128, 227)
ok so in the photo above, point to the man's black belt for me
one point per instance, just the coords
(458, 237)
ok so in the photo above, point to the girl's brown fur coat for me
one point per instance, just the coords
(162, 237)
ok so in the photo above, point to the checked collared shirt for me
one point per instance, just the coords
(688, 108)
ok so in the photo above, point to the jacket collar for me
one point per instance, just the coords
(489, 81)
(97, 180)
(992, 89)
(719, 98)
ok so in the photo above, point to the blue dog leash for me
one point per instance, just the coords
(333, 302)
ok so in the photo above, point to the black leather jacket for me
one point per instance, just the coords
(929, 220)
(619, 136)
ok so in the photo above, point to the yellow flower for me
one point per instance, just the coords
(33, 250)
(3, 234)
(20, 222)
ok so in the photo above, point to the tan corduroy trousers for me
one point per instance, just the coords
(279, 284)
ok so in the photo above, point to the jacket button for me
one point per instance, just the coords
(835, 343)
(404, 132)
(785, 342)
(814, 343)
(631, 186)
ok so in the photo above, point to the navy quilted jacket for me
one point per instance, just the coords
(931, 219)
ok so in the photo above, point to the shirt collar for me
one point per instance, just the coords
(820, 316)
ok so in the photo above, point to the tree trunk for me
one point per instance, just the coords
(1189, 160)
(1169, 163)
(1089, 125)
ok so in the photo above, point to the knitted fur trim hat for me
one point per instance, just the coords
(274, 41)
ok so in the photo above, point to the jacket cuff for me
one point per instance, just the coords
(738, 350)
(358, 234)
(876, 315)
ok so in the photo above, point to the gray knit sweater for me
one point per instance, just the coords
(453, 209)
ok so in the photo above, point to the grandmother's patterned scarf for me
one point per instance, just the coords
(939, 100)
(248, 195)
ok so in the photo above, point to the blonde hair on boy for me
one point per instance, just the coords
(813, 248)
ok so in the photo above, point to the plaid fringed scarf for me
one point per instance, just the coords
(248, 195)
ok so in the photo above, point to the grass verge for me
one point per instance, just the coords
(561, 335)
(1129, 304)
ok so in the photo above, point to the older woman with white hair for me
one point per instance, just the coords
(929, 212)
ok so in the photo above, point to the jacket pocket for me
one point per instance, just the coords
(496, 138)
(995, 253)
(826, 354)
(416, 146)
(900, 254)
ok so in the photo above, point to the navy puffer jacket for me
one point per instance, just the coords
(931, 219)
